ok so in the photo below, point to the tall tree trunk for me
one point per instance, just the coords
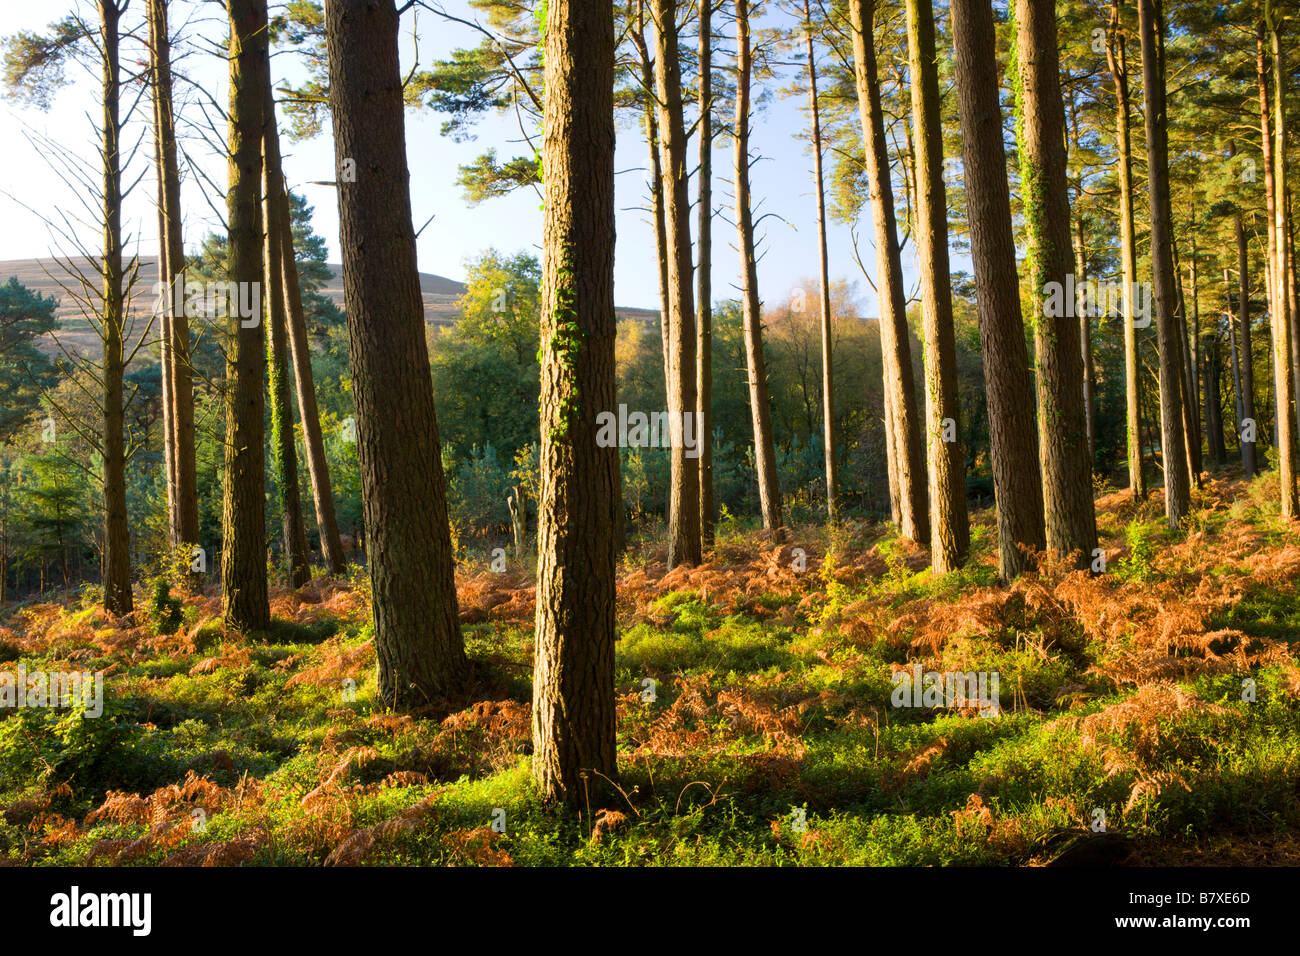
(769, 492)
(1085, 344)
(178, 388)
(1017, 483)
(1117, 62)
(1172, 436)
(420, 652)
(243, 522)
(1283, 383)
(1246, 384)
(646, 63)
(1212, 350)
(573, 680)
(684, 492)
(949, 525)
(1191, 425)
(1062, 425)
(117, 536)
(704, 300)
(823, 261)
(275, 214)
(895, 345)
(313, 440)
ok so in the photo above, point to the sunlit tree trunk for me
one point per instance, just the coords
(895, 345)
(1017, 482)
(949, 526)
(1177, 481)
(573, 680)
(769, 492)
(418, 643)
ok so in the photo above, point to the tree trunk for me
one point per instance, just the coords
(178, 387)
(949, 525)
(275, 214)
(408, 539)
(313, 440)
(243, 548)
(1283, 383)
(704, 300)
(573, 680)
(1246, 385)
(1117, 61)
(828, 372)
(895, 345)
(1172, 435)
(1062, 425)
(117, 536)
(684, 493)
(1191, 425)
(769, 491)
(1017, 483)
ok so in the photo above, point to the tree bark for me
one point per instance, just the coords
(823, 261)
(769, 491)
(1283, 383)
(704, 300)
(1117, 61)
(117, 535)
(949, 525)
(1177, 482)
(573, 682)
(308, 412)
(684, 491)
(178, 387)
(1246, 386)
(1062, 425)
(243, 550)
(420, 652)
(275, 215)
(1017, 483)
(895, 344)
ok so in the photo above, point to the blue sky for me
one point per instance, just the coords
(783, 181)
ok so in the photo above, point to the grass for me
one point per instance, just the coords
(1163, 694)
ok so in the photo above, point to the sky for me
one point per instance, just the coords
(782, 182)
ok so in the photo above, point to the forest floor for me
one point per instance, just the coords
(771, 738)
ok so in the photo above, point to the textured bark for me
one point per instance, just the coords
(949, 525)
(1191, 423)
(1017, 483)
(646, 65)
(684, 490)
(1246, 383)
(1068, 512)
(1177, 484)
(823, 261)
(1283, 383)
(178, 385)
(275, 214)
(573, 679)
(117, 536)
(420, 653)
(243, 516)
(704, 298)
(895, 346)
(769, 491)
(1117, 60)
(313, 440)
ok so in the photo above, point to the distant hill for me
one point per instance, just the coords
(440, 296)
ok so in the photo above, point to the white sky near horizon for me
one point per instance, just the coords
(782, 182)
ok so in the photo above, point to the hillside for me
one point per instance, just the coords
(45, 276)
